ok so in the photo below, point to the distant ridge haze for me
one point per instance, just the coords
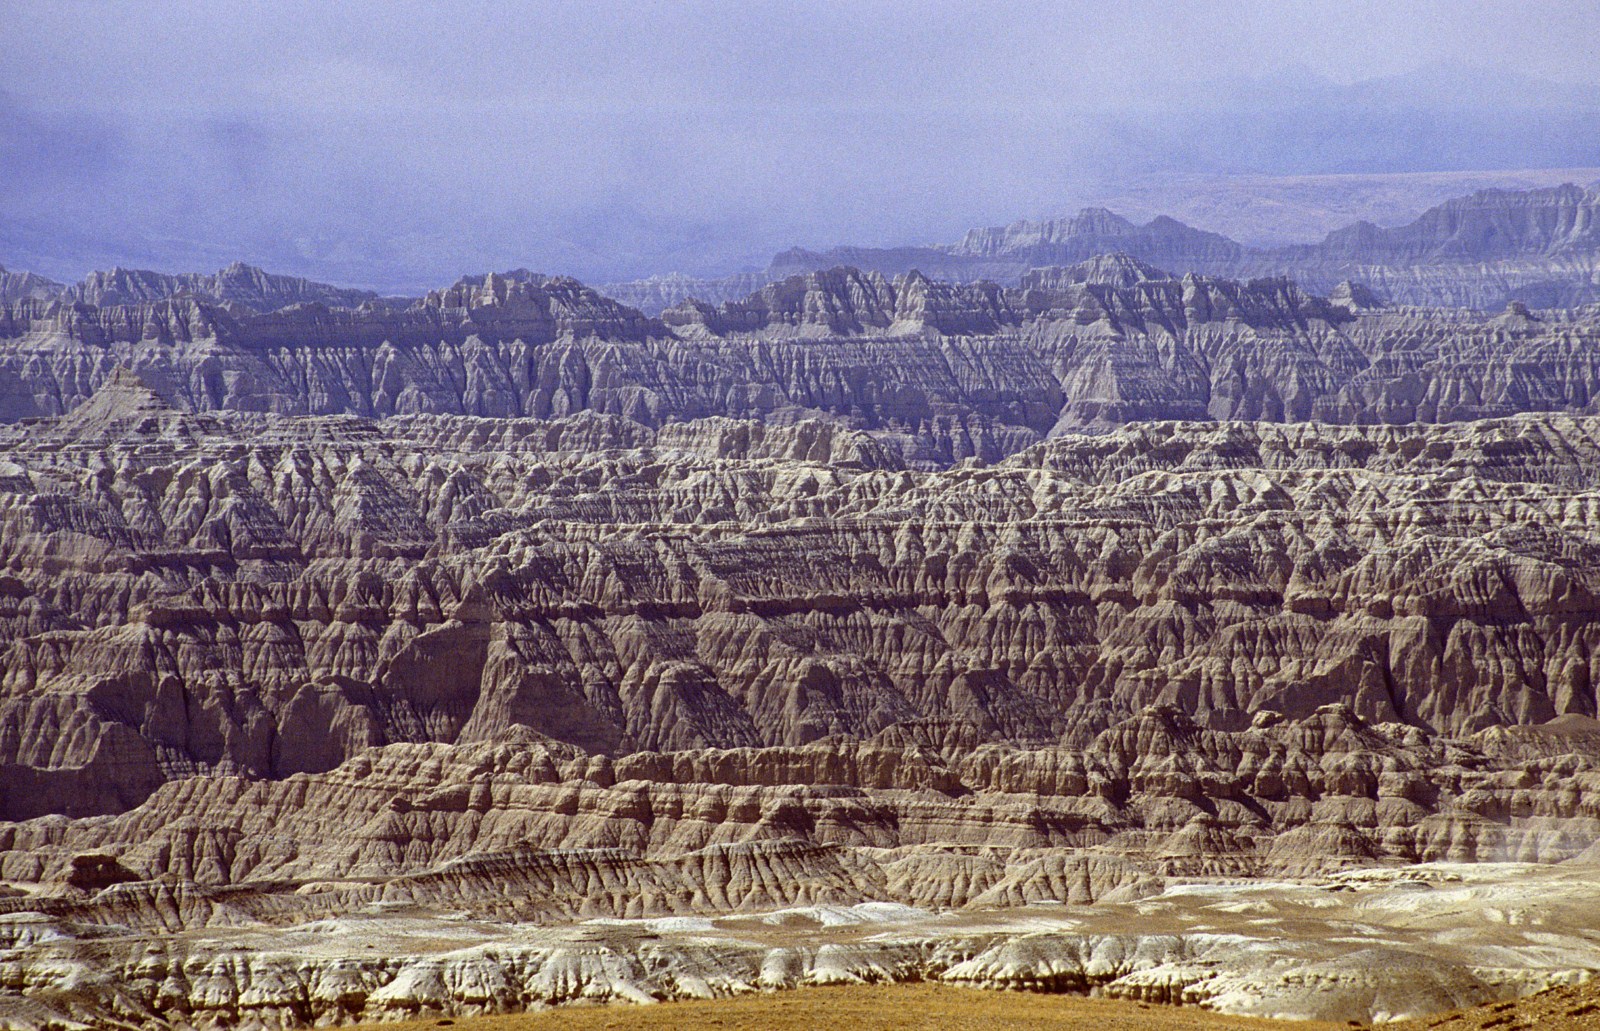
(618, 141)
(983, 252)
(1540, 247)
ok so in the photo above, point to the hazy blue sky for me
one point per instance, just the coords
(399, 143)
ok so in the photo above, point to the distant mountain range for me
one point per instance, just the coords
(1539, 246)
(238, 284)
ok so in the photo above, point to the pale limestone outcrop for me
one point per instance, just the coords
(1374, 945)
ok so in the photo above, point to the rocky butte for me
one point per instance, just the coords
(1175, 638)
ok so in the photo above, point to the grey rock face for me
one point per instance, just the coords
(940, 371)
(26, 286)
(239, 284)
(1539, 246)
(273, 670)
(657, 293)
(1488, 225)
(190, 593)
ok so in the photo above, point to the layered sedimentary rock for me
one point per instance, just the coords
(939, 371)
(653, 294)
(1538, 246)
(1162, 241)
(474, 683)
(1488, 225)
(1357, 947)
(192, 592)
(1151, 799)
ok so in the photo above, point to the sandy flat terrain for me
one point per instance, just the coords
(896, 1007)
(875, 1008)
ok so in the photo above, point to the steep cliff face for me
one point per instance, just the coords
(1163, 241)
(1150, 799)
(942, 371)
(1004, 253)
(654, 294)
(1488, 225)
(26, 286)
(472, 690)
(223, 594)
(848, 302)
(1122, 271)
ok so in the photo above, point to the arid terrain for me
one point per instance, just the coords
(818, 516)
(1171, 640)
(905, 1008)
(882, 1008)
(1477, 250)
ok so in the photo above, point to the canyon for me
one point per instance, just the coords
(1173, 638)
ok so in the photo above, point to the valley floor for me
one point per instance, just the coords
(874, 1008)
(918, 1006)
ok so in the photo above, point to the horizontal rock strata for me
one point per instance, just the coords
(939, 372)
(249, 595)
(268, 672)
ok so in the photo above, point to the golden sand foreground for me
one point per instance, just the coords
(929, 1006)
(872, 1008)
